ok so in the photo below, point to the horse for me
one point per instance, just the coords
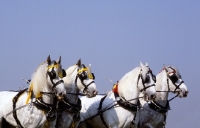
(35, 106)
(154, 113)
(117, 108)
(79, 79)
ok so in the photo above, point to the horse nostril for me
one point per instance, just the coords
(153, 96)
(61, 94)
(185, 94)
(95, 92)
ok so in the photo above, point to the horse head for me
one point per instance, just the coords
(175, 82)
(47, 78)
(55, 73)
(148, 79)
(83, 79)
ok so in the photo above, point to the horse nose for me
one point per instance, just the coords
(153, 96)
(95, 92)
(61, 95)
(185, 94)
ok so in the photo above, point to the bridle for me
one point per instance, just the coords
(82, 75)
(146, 80)
(173, 79)
(52, 75)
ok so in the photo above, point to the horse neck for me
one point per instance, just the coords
(39, 84)
(71, 95)
(71, 87)
(161, 85)
(127, 86)
(48, 98)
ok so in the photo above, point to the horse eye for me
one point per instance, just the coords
(52, 75)
(83, 75)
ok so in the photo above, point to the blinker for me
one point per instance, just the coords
(62, 73)
(173, 78)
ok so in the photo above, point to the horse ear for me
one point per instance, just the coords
(146, 64)
(79, 62)
(59, 60)
(90, 65)
(165, 68)
(49, 60)
(141, 64)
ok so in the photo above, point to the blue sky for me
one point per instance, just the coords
(114, 36)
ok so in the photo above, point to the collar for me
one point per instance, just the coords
(157, 107)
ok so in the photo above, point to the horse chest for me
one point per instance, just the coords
(33, 117)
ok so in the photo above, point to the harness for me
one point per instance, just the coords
(157, 107)
(39, 103)
(14, 100)
(74, 109)
(123, 103)
(64, 105)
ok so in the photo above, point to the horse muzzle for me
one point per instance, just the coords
(61, 96)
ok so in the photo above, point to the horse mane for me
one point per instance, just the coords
(71, 69)
(38, 79)
(127, 77)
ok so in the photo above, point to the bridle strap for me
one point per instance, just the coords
(147, 87)
(178, 86)
(86, 86)
(57, 83)
(144, 88)
(54, 84)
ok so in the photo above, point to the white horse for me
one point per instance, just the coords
(117, 108)
(153, 114)
(79, 78)
(35, 107)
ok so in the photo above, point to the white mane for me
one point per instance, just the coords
(38, 80)
(70, 76)
(128, 84)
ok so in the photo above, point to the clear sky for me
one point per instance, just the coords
(114, 36)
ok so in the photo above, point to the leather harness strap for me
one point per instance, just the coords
(157, 107)
(101, 113)
(14, 107)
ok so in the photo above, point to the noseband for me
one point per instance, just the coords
(146, 80)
